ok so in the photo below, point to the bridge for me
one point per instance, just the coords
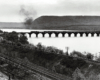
(69, 32)
(34, 68)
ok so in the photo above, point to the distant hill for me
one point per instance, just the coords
(11, 25)
(58, 23)
(67, 22)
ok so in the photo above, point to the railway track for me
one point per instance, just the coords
(34, 68)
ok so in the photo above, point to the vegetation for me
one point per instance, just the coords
(49, 57)
(89, 56)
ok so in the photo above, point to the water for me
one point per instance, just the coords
(82, 44)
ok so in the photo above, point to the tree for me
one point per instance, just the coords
(77, 54)
(14, 54)
(23, 39)
(89, 56)
(39, 46)
(98, 59)
(61, 52)
(13, 36)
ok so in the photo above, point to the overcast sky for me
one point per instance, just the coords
(10, 10)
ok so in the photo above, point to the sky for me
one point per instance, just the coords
(18, 10)
(12, 10)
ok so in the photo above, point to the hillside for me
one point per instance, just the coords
(12, 25)
(67, 22)
(58, 23)
(74, 65)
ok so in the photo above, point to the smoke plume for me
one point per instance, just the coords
(29, 13)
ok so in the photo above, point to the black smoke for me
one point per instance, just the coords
(29, 13)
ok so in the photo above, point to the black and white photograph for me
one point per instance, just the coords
(49, 40)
